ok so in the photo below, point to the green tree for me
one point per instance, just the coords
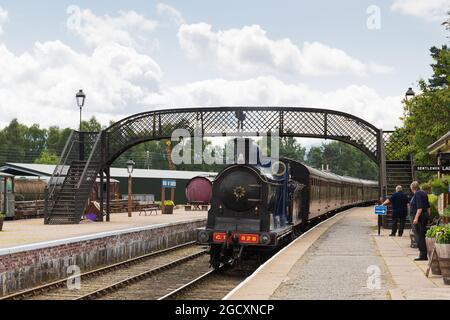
(427, 115)
(343, 159)
(47, 157)
(92, 125)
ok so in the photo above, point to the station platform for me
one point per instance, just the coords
(32, 254)
(21, 232)
(344, 258)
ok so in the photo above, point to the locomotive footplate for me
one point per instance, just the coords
(230, 238)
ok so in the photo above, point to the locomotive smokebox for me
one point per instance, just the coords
(240, 189)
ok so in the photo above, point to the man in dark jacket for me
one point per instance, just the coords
(399, 202)
(419, 213)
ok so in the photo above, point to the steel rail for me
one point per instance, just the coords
(59, 283)
(189, 285)
(123, 283)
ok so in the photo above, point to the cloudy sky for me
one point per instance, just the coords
(130, 56)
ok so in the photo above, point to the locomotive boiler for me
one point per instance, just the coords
(255, 209)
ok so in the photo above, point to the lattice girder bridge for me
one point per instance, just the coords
(87, 155)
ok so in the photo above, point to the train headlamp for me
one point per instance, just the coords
(265, 238)
(203, 237)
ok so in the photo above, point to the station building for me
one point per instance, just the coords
(441, 149)
(146, 183)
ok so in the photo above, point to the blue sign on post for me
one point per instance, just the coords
(381, 210)
(172, 184)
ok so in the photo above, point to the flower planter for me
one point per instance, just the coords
(443, 252)
(436, 191)
(435, 268)
(168, 210)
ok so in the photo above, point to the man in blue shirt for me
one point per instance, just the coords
(419, 213)
(399, 202)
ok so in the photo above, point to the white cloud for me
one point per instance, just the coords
(433, 10)
(3, 18)
(249, 50)
(39, 86)
(128, 28)
(359, 100)
(172, 14)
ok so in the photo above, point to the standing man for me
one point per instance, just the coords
(419, 212)
(399, 202)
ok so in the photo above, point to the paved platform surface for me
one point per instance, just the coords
(344, 258)
(31, 231)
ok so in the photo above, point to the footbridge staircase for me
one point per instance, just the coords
(69, 187)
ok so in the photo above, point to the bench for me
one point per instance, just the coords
(149, 210)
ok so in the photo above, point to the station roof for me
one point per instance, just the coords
(440, 145)
(334, 176)
(7, 175)
(46, 170)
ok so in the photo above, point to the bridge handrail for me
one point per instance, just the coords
(94, 151)
(62, 163)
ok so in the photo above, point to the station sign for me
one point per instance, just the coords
(165, 183)
(433, 168)
(381, 210)
(427, 168)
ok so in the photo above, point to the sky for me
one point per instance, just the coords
(131, 56)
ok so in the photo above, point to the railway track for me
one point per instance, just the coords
(212, 285)
(177, 273)
(111, 278)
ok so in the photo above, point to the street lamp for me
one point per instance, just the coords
(409, 94)
(130, 167)
(81, 97)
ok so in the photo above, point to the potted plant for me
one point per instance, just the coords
(438, 187)
(168, 207)
(443, 252)
(430, 241)
(426, 187)
(446, 214)
(2, 217)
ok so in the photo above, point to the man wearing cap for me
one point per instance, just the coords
(399, 202)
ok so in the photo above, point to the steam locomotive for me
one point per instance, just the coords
(256, 209)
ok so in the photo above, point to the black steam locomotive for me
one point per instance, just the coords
(256, 209)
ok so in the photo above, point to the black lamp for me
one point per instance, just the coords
(130, 166)
(409, 94)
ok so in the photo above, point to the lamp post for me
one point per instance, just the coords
(409, 94)
(81, 97)
(130, 167)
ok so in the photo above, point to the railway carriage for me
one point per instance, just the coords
(256, 208)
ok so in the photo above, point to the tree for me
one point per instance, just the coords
(47, 157)
(343, 159)
(427, 115)
(292, 149)
(91, 126)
